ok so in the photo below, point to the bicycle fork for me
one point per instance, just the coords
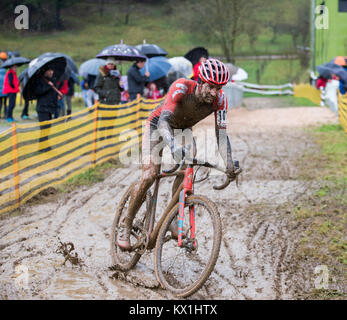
(187, 190)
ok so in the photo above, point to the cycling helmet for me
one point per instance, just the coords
(214, 71)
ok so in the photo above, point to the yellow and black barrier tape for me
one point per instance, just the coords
(36, 156)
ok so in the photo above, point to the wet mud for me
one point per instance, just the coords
(60, 249)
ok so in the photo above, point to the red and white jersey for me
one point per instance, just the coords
(186, 110)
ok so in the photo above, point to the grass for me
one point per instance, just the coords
(86, 35)
(324, 215)
(90, 176)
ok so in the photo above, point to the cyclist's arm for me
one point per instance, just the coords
(175, 94)
(224, 146)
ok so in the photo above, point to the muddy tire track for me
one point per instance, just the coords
(258, 244)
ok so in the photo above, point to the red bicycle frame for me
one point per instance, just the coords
(187, 190)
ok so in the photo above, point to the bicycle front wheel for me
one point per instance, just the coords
(183, 270)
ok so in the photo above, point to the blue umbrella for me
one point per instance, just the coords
(91, 67)
(327, 69)
(158, 67)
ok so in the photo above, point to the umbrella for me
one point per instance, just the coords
(195, 54)
(15, 61)
(23, 76)
(121, 52)
(240, 75)
(181, 66)
(158, 67)
(326, 70)
(70, 63)
(91, 66)
(151, 50)
(57, 63)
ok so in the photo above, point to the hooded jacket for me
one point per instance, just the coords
(47, 97)
(107, 87)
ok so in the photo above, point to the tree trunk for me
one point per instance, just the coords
(101, 8)
(58, 22)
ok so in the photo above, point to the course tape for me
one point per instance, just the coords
(36, 156)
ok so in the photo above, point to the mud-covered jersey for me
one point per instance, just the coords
(185, 109)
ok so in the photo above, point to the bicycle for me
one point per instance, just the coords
(196, 248)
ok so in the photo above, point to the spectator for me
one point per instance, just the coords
(321, 82)
(25, 112)
(3, 97)
(70, 94)
(153, 92)
(107, 83)
(196, 68)
(124, 95)
(162, 85)
(11, 87)
(47, 97)
(136, 81)
(92, 96)
(63, 88)
(84, 89)
(47, 102)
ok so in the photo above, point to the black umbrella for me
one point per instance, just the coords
(195, 54)
(15, 61)
(121, 52)
(70, 63)
(36, 70)
(151, 50)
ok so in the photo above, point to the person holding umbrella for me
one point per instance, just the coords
(136, 81)
(107, 83)
(47, 96)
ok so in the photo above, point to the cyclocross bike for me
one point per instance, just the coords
(183, 264)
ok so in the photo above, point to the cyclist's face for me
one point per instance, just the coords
(209, 92)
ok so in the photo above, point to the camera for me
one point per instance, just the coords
(115, 73)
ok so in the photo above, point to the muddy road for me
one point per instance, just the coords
(258, 233)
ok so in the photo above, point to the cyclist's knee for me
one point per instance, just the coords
(149, 174)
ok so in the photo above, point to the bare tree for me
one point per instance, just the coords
(223, 20)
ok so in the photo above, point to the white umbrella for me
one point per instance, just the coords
(240, 75)
(182, 66)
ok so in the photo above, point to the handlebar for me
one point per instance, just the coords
(196, 162)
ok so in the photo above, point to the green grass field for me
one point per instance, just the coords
(86, 35)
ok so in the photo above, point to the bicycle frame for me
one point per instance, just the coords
(184, 189)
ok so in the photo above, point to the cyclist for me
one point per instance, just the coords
(186, 103)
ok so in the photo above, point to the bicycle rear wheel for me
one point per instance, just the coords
(125, 260)
(183, 270)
